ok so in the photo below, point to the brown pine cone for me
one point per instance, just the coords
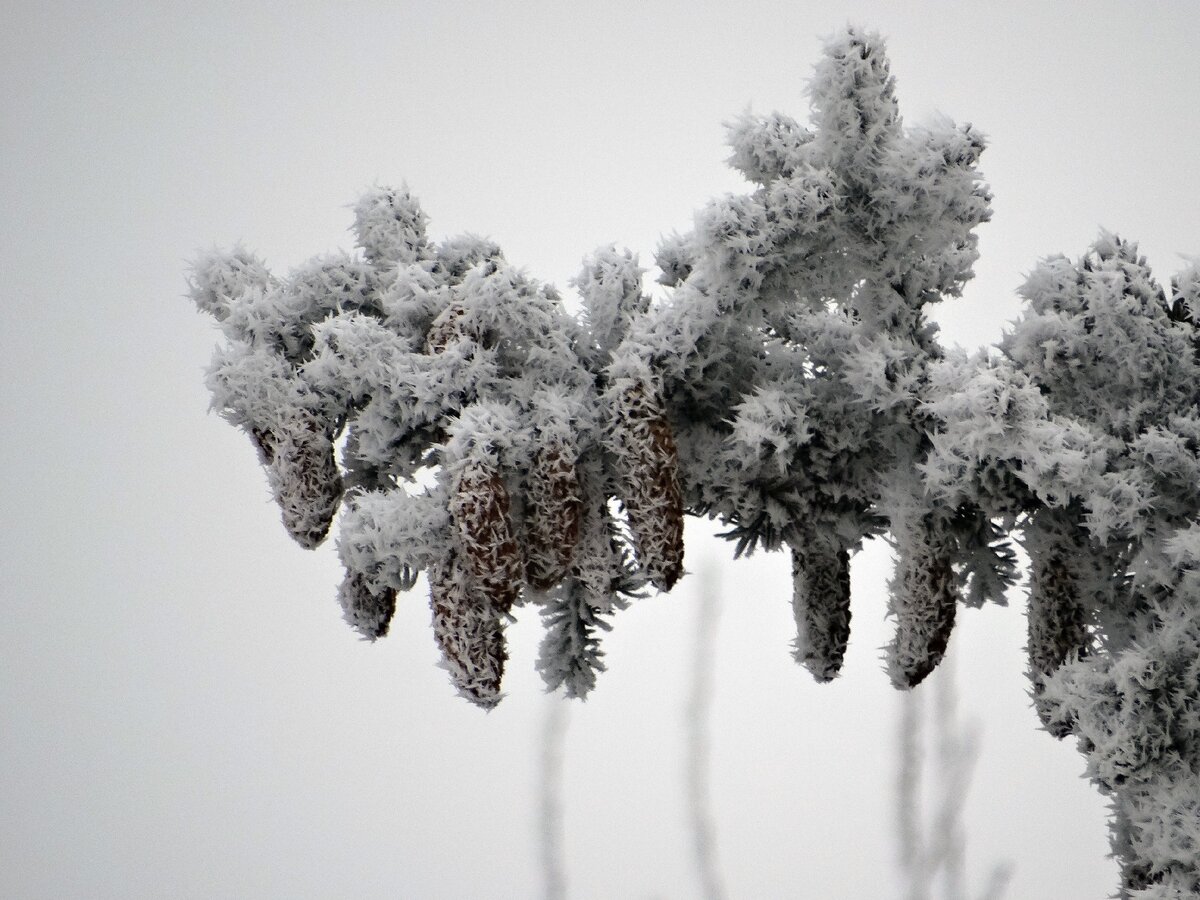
(554, 508)
(480, 511)
(367, 612)
(1057, 619)
(644, 446)
(304, 477)
(821, 605)
(469, 631)
(925, 598)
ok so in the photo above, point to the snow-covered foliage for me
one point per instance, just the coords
(787, 382)
(475, 445)
(793, 347)
(1083, 435)
(782, 385)
(1114, 635)
(1136, 711)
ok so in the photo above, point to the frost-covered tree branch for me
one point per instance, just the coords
(788, 384)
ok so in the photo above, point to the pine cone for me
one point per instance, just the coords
(821, 605)
(304, 477)
(645, 451)
(925, 599)
(480, 511)
(469, 630)
(554, 511)
(365, 611)
(1057, 619)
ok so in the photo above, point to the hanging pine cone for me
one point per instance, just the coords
(821, 605)
(367, 612)
(1057, 619)
(304, 477)
(554, 507)
(480, 511)
(469, 630)
(644, 446)
(925, 598)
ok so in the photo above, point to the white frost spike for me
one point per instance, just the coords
(854, 100)
(388, 536)
(459, 254)
(821, 605)
(469, 630)
(610, 286)
(304, 476)
(390, 227)
(479, 509)
(218, 280)
(676, 258)
(766, 148)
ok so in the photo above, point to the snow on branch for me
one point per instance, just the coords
(789, 384)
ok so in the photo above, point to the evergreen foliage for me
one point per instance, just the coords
(788, 383)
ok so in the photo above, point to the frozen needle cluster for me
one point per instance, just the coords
(482, 434)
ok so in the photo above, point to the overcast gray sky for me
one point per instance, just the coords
(184, 713)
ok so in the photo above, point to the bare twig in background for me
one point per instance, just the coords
(941, 851)
(908, 799)
(697, 744)
(997, 886)
(554, 730)
(957, 749)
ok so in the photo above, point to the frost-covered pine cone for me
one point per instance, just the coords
(1057, 619)
(479, 509)
(821, 605)
(925, 598)
(469, 630)
(553, 510)
(365, 611)
(304, 477)
(645, 450)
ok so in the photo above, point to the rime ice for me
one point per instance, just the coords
(788, 384)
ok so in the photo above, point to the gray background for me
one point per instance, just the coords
(183, 712)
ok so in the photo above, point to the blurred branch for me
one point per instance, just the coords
(697, 745)
(908, 798)
(924, 855)
(554, 730)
